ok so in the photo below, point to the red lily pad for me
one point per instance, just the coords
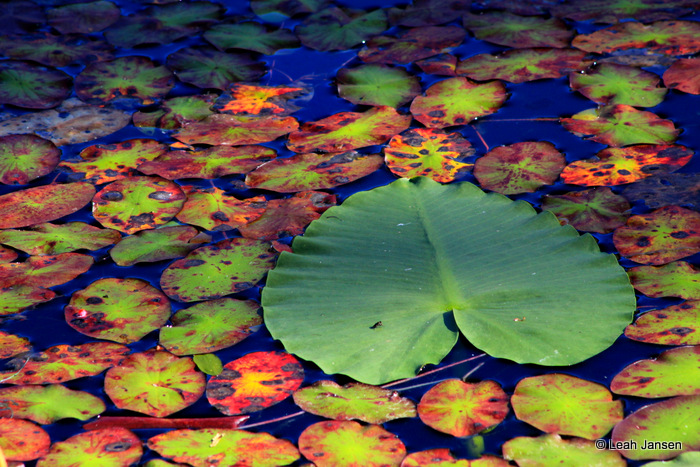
(337, 28)
(511, 30)
(155, 383)
(521, 65)
(176, 112)
(674, 373)
(214, 209)
(132, 76)
(206, 67)
(428, 152)
(354, 401)
(210, 326)
(48, 404)
(665, 235)
(654, 431)
(288, 217)
(52, 239)
(199, 448)
(440, 65)
(56, 51)
(26, 157)
(62, 363)
(249, 35)
(148, 246)
(45, 271)
(22, 440)
(137, 203)
(7, 255)
(443, 458)
(32, 86)
(617, 166)
(377, 85)
(214, 162)
(551, 449)
(233, 130)
(621, 125)
(427, 12)
(83, 17)
(563, 404)
(612, 11)
(520, 167)
(611, 83)
(312, 171)
(411, 45)
(16, 298)
(119, 310)
(116, 447)
(676, 279)
(682, 189)
(335, 443)
(261, 101)
(254, 382)
(213, 271)
(42, 204)
(666, 37)
(684, 75)
(463, 409)
(674, 325)
(104, 163)
(457, 101)
(348, 130)
(595, 210)
(11, 345)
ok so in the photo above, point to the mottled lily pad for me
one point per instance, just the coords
(612, 11)
(377, 85)
(674, 325)
(42, 204)
(595, 210)
(176, 112)
(414, 44)
(56, 51)
(684, 75)
(206, 67)
(611, 83)
(113, 447)
(7, 255)
(22, 440)
(442, 457)
(166, 242)
(337, 28)
(511, 30)
(83, 17)
(681, 189)
(427, 12)
(666, 37)
(45, 271)
(52, 239)
(249, 35)
(551, 449)
(48, 404)
(233, 130)
(261, 101)
(676, 279)
(11, 345)
(26, 157)
(214, 209)
(32, 86)
(440, 65)
(15, 298)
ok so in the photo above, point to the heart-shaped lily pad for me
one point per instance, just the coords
(674, 325)
(511, 30)
(595, 210)
(47, 404)
(45, 271)
(113, 447)
(233, 130)
(32, 86)
(676, 279)
(214, 209)
(683, 75)
(166, 242)
(54, 239)
(610, 83)
(377, 85)
(666, 37)
(42, 204)
(337, 28)
(551, 449)
(26, 157)
(22, 440)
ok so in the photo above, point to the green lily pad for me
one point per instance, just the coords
(429, 280)
(22, 440)
(62, 363)
(108, 447)
(520, 167)
(610, 83)
(348, 130)
(213, 271)
(349, 443)
(463, 409)
(48, 404)
(683, 75)
(214, 209)
(457, 101)
(83, 17)
(666, 37)
(612, 11)
(155, 383)
(56, 51)
(428, 152)
(661, 430)
(233, 130)
(621, 125)
(674, 325)
(511, 30)
(354, 401)
(337, 28)
(377, 85)
(26, 157)
(52, 239)
(104, 163)
(11, 345)
(551, 449)
(260, 101)
(148, 246)
(16, 298)
(45, 271)
(665, 235)
(210, 326)
(254, 382)
(563, 404)
(595, 210)
(208, 363)
(131, 76)
(137, 203)
(674, 373)
(32, 86)
(312, 171)
(227, 447)
(206, 67)
(443, 458)
(42, 204)
(176, 112)
(119, 310)
(411, 45)
(249, 35)
(676, 279)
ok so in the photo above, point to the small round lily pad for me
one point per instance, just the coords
(26, 157)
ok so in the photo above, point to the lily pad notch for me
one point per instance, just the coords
(429, 261)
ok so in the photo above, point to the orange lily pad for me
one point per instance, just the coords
(684, 75)
(22, 440)
(673, 325)
(676, 279)
(11, 345)
(214, 209)
(42, 204)
(116, 447)
(260, 101)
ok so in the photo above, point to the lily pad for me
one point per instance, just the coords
(26, 157)
(261, 101)
(206, 67)
(249, 35)
(22, 440)
(176, 112)
(113, 447)
(463, 409)
(56, 51)
(137, 203)
(199, 448)
(213, 271)
(551, 449)
(520, 167)
(665, 235)
(337, 28)
(149, 246)
(155, 383)
(11, 345)
(595, 210)
(681, 189)
(429, 152)
(210, 326)
(209, 364)
(32, 86)
(377, 85)
(676, 279)
(7, 255)
(411, 45)
(674, 325)
(418, 283)
(427, 12)
(254, 382)
(612, 11)
(440, 65)
(21, 16)
(83, 17)
(214, 209)
(52, 239)
(45, 271)
(16, 298)
(442, 457)
(610, 83)
(312, 171)
(354, 401)
(666, 37)
(511, 30)
(48, 404)
(233, 130)
(683, 75)
(349, 443)
(563, 404)
(42, 204)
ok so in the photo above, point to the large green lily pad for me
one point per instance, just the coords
(26, 157)
(610, 83)
(11, 345)
(676, 279)
(47, 404)
(15, 298)
(33, 86)
(54, 239)
(42, 204)
(525, 288)
(674, 325)
(108, 447)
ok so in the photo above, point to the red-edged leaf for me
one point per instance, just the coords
(677, 279)
(32, 86)
(233, 130)
(176, 112)
(214, 209)
(22, 440)
(441, 65)
(45, 271)
(16, 298)
(611, 83)
(684, 75)
(53, 239)
(11, 345)
(411, 45)
(114, 447)
(666, 37)
(42, 204)
(595, 210)
(26, 157)
(674, 325)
